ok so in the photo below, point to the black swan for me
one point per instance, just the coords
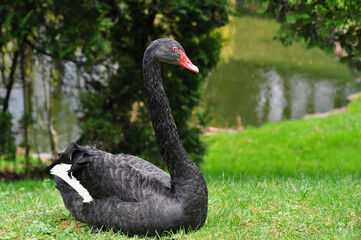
(126, 193)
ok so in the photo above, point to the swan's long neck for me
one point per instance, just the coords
(179, 164)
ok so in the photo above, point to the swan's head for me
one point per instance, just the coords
(170, 51)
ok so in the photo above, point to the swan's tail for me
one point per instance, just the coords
(61, 170)
(74, 158)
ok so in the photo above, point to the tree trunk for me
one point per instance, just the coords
(11, 81)
(26, 113)
(53, 136)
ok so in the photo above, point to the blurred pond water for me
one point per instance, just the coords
(258, 94)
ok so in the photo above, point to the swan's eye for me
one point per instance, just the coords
(175, 49)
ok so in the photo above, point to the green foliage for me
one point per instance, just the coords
(319, 23)
(115, 115)
(7, 140)
(59, 29)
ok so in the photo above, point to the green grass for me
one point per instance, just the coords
(19, 165)
(318, 146)
(244, 208)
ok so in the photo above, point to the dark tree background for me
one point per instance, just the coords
(106, 41)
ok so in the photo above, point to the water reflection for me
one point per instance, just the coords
(260, 94)
(63, 108)
(271, 96)
(301, 94)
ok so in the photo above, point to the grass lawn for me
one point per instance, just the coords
(246, 208)
(312, 147)
(294, 179)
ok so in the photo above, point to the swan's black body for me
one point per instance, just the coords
(130, 194)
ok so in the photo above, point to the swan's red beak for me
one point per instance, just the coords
(185, 62)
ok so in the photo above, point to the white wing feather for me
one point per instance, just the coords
(61, 170)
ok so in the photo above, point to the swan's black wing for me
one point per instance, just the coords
(124, 177)
(153, 215)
